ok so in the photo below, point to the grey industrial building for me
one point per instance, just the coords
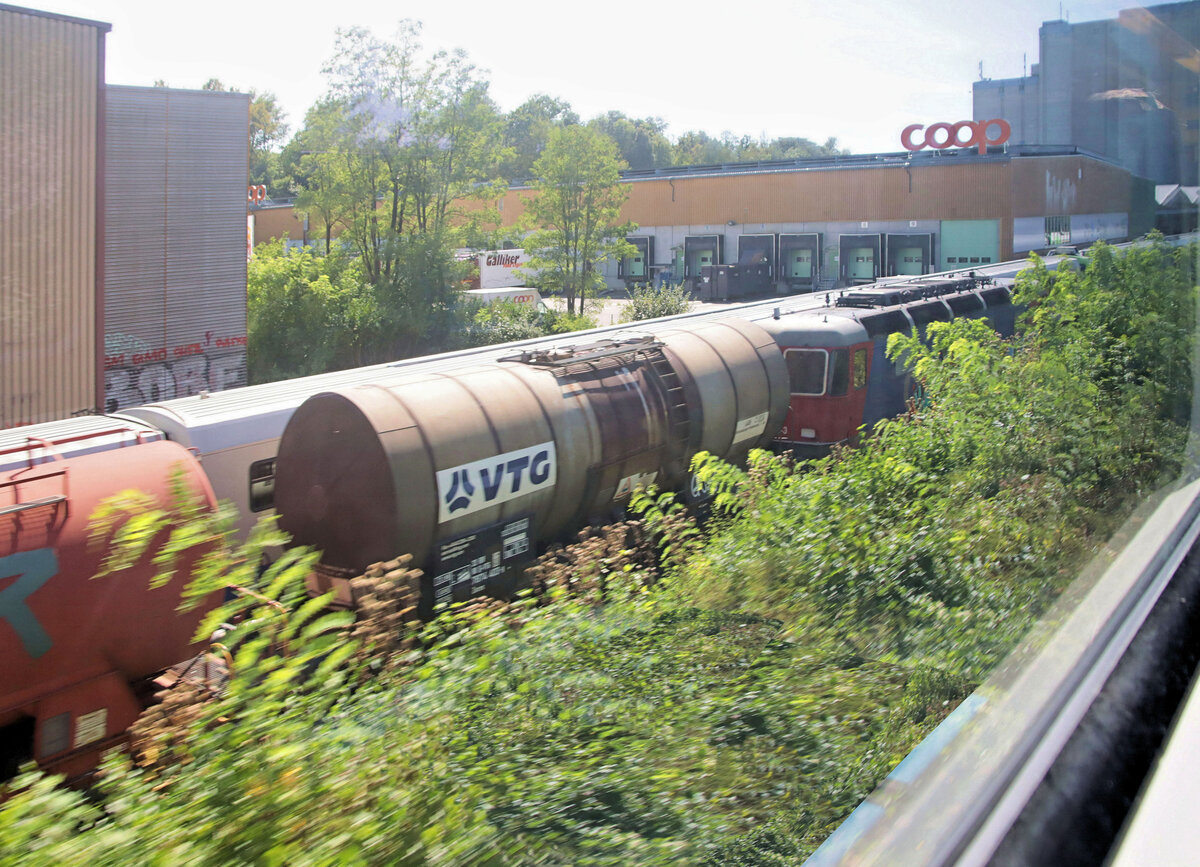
(1127, 89)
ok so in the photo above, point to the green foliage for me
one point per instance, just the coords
(500, 322)
(396, 147)
(650, 302)
(307, 313)
(697, 147)
(526, 132)
(574, 212)
(642, 142)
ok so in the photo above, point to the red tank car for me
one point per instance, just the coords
(77, 650)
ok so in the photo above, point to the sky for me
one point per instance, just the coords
(857, 70)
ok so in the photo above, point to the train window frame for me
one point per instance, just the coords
(838, 372)
(787, 356)
(859, 368)
(261, 489)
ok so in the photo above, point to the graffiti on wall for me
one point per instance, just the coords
(136, 374)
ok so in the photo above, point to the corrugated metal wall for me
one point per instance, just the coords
(175, 243)
(1045, 186)
(50, 79)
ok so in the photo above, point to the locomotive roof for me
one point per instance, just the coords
(827, 326)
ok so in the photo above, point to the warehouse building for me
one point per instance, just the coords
(122, 229)
(814, 224)
(800, 225)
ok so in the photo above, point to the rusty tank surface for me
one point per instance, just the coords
(470, 471)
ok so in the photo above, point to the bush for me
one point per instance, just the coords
(650, 302)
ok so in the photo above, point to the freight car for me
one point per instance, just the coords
(78, 652)
(471, 471)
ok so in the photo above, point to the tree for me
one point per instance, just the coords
(699, 148)
(574, 212)
(307, 313)
(527, 129)
(399, 142)
(641, 141)
(322, 173)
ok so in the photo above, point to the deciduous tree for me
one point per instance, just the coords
(574, 212)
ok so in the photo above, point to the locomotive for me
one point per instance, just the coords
(470, 461)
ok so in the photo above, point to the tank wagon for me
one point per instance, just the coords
(78, 652)
(470, 470)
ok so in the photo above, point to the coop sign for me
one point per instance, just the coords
(468, 488)
(964, 134)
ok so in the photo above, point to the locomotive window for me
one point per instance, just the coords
(262, 485)
(860, 368)
(839, 372)
(806, 369)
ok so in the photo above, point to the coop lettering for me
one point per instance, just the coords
(481, 484)
(950, 135)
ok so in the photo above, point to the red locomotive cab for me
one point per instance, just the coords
(829, 361)
(77, 649)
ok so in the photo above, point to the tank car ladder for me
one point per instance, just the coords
(678, 418)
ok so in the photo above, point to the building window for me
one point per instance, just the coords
(1058, 231)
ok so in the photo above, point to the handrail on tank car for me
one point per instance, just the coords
(32, 504)
(55, 499)
(571, 354)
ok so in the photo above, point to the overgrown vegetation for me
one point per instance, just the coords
(721, 696)
(648, 301)
(504, 321)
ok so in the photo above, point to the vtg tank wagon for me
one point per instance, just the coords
(470, 471)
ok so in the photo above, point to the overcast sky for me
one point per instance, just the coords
(859, 70)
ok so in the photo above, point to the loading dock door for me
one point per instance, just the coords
(861, 258)
(701, 251)
(800, 259)
(757, 250)
(800, 265)
(635, 268)
(860, 263)
(699, 259)
(910, 260)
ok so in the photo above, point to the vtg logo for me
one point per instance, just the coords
(950, 135)
(480, 484)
